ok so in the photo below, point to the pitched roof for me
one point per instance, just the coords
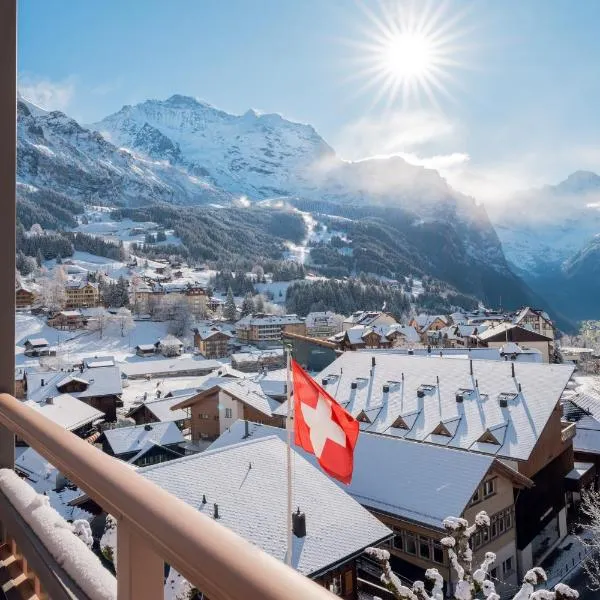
(509, 332)
(99, 361)
(161, 408)
(123, 440)
(37, 342)
(102, 381)
(66, 411)
(441, 481)
(414, 387)
(247, 482)
(209, 332)
(260, 319)
(169, 365)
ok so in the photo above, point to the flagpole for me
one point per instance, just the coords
(288, 556)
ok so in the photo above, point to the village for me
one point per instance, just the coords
(470, 411)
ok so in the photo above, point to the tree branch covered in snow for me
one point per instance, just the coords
(470, 583)
(590, 507)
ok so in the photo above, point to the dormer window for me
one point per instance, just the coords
(362, 417)
(441, 429)
(487, 437)
(400, 423)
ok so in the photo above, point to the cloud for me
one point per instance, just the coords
(47, 94)
(394, 134)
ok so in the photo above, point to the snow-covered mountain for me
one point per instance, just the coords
(184, 151)
(550, 235)
(55, 153)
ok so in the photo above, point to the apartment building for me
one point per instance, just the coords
(82, 294)
(535, 319)
(268, 328)
(212, 342)
(323, 324)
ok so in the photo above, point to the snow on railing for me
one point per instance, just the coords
(67, 543)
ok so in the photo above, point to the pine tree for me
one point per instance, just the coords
(39, 258)
(247, 305)
(230, 311)
(58, 259)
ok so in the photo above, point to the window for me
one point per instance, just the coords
(477, 540)
(398, 540)
(476, 496)
(204, 416)
(489, 487)
(424, 547)
(410, 543)
(494, 573)
(485, 535)
(438, 553)
(507, 566)
(228, 413)
(348, 582)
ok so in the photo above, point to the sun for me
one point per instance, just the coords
(407, 55)
(407, 51)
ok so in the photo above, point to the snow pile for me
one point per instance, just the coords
(59, 537)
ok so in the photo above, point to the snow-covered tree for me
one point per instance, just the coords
(53, 290)
(36, 229)
(170, 346)
(180, 318)
(124, 320)
(470, 583)
(100, 320)
(590, 507)
(230, 310)
(259, 304)
(247, 305)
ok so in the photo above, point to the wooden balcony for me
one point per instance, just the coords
(568, 431)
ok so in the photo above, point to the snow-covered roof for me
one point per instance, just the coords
(36, 342)
(169, 365)
(510, 332)
(327, 318)
(247, 482)
(70, 313)
(418, 482)
(123, 440)
(99, 361)
(161, 408)
(102, 381)
(146, 347)
(208, 332)
(579, 470)
(67, 411)
(257, 355)
(261, 319)
(424, 321)
(425, 388)
(169, 340)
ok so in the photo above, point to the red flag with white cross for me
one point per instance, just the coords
(322, 427)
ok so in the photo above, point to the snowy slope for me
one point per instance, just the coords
(54, 152)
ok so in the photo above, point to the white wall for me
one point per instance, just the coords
(225, 402)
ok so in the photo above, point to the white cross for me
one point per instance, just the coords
(322, 427)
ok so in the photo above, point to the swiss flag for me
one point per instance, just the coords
(322, 427)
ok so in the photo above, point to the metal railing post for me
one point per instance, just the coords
(8, 164)
(140, 571)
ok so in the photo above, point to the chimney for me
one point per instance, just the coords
(386, 388)
(512, 369)
(353, 385)
(411, 352)
(216, 510)
(471, 366)
(203, 498)
(43, 382)
(459, 397)
(372, 361)
(49, 400)
(147, 427)
(246, 429)
(519, 388)
(503, 401)
(420, 393)
(324, 381)
(299, 524)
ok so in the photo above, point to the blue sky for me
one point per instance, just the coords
(520, 110)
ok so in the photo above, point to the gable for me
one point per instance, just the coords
(488, 437)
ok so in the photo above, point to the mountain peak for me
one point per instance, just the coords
(579, 181)
(181, 101)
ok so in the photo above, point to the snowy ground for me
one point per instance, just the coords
(74, 345)
(277, 288)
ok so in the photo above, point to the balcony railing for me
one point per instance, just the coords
(154, 527)
(568, 431)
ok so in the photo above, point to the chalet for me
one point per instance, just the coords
(368, 318)
(241, 486)
(370, 336)
(215, 409)
(426, 325)
(37, 347)
(535, 319)
(68, 412)
(509, 410)
(143, 445)
(145, 350)
(169, 346)
(268, 328)
(159, 411)
(502, 333)
(19, 383)
(99, 387)
(486, 483)
(212, 342)
(24, 297)
(169, 367)
(67, 319)
(82, 294)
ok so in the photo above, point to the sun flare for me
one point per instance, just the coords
(408, 50)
